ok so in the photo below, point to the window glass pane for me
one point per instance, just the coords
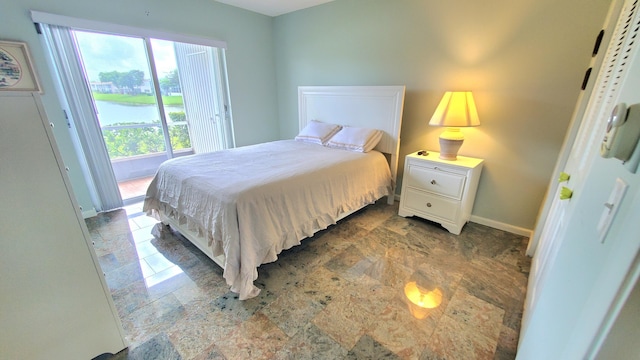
(164, 58)
(118, 73)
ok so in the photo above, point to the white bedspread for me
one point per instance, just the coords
(253, 202)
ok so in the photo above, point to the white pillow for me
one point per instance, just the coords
(317, 132)
(355, 139)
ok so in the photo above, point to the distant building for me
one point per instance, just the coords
(146, 87)
(104, 87)
(111, 88)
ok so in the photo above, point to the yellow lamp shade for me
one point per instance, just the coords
(456, 109)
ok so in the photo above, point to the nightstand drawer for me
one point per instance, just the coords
(431, 204)
(439, 190)
(436, 181)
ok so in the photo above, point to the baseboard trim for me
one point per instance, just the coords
(502, 226)
(89, 213)
(495, 224)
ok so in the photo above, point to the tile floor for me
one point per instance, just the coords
(339, 295)
(135, 187)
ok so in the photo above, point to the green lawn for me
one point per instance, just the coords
(138, 99)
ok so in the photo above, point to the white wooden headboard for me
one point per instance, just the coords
(378, 107)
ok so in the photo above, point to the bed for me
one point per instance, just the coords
(244, 206)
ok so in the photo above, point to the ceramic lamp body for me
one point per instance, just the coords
(450, 142)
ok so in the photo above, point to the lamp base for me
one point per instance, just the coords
(450, 141)
(449, 148)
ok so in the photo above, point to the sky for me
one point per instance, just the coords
(105, 53)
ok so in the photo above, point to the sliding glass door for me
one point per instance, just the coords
(119, 76)
(153, 100)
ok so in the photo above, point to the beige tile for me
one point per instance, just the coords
(507, 343)
(497, 283)
(469, 328)
(111, 244)
(278, 276)
(311, 343)
(292, 311)
(202, 290)
(344, 320)
(398, 225)
(338, 295)
(149, 320)
(350, 264)
(477, 315)
(452, 339)
(371, 217)
(370, 294)
(256, 338)
(323, 285)
(210, 353)
(397, 330)
(193, 334)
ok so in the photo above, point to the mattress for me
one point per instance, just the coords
(252, 202)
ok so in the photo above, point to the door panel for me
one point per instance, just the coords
(203, 106)
(582, 151)
(598, 59)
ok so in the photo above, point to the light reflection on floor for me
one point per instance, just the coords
(340, 294)
(155, 267)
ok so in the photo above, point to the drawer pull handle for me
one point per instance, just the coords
(428, 204)
(433, 182)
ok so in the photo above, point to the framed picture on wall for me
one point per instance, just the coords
(16, 69)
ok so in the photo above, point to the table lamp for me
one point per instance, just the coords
(456, 109)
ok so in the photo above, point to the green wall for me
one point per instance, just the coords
(524, 61)
(250, 58)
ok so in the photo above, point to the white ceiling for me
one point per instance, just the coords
(273, 7)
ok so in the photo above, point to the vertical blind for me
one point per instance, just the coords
(79, 108)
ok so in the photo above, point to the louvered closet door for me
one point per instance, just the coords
(586, 145)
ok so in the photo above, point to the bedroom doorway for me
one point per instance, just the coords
(137, 101)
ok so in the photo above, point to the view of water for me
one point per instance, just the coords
(110, 113)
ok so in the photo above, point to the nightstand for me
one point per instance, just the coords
(439, 190)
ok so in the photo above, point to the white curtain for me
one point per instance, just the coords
(82, 115)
